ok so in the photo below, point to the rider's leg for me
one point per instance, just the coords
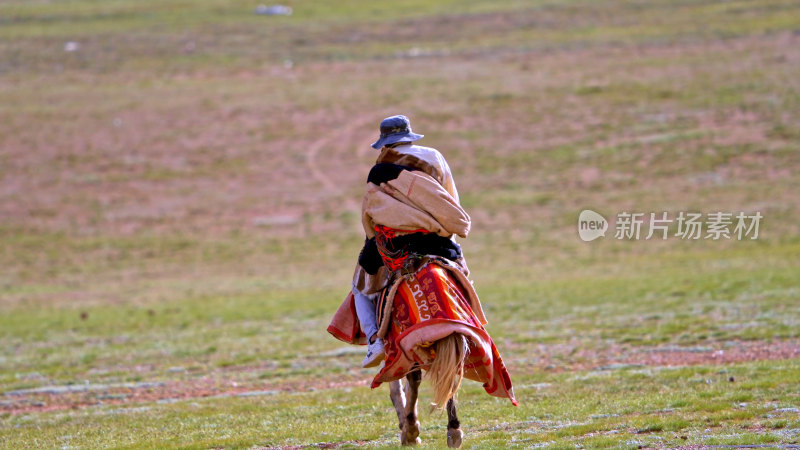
(365, 309)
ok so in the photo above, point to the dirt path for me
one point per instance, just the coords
(557, 358)
(571, 358)
(343, 137)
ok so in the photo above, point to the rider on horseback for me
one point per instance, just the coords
(412, 273)
(386, 249)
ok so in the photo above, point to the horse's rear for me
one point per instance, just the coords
(445, 374)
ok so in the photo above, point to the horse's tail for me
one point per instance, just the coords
(447, 368)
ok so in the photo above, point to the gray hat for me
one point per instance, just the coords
(395, 129)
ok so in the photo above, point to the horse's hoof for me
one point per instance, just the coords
(416, 441)
(407, 440)
(454, 436)
(410, 435)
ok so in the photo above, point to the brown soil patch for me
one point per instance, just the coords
(559, 358)
(572, 357)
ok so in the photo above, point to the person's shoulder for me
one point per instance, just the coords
(423, 149)
(427, 159)
(429, 154)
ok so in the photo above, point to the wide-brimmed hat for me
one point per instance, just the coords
(395, 129)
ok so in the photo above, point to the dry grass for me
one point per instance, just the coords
(191, 176)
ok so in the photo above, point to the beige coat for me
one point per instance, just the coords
(423, 199)
(426, 159)
(413, 201)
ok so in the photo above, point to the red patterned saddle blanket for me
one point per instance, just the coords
(429, 305)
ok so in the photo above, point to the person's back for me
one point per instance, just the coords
(426, 159)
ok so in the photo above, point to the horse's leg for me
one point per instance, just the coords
(399, 401)
(410, 433)
(454, 433)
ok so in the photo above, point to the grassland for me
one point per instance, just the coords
(179, 216)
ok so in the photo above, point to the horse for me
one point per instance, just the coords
(446, 373)
(431, 320)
